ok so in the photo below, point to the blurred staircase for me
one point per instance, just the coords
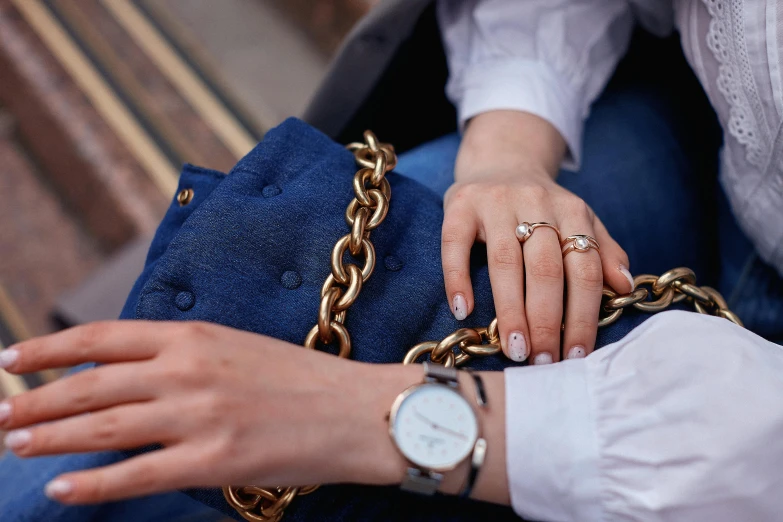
(101, 101)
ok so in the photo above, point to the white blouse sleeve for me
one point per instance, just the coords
(550, 58)
(680, 420)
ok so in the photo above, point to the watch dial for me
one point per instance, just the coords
(435, 427)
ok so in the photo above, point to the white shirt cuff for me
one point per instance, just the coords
(524, 85)
(553, 452)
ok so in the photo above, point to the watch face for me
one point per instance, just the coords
(434, 426)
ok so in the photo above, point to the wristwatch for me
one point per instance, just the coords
(435, 428)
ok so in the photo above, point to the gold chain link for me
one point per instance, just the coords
(364, 213)
(671, 287)
(342, 287)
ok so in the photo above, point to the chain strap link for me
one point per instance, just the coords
(364, 213)
(342, 287)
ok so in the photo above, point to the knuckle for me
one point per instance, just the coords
(213, 407)
(91, 335)
(451, 236)
(96, 489)
(506, 254)
(546, 268)
(576, 207)
(454, 274)
(188, 368)
(80, 389)
(465, 191)
(199, 330)
(509, 311)
(537, 193)
(108, 429)
(147, 477)
(589, 276)
(498, 193)
(186, 334)
(581, 326)
(544, 331)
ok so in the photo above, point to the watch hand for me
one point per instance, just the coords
(422, 417)
(452, 432)
(438, 426)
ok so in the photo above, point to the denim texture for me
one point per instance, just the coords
(22, 498)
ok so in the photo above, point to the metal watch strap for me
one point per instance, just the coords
(418, 480)
(439, 373)
(422, 482)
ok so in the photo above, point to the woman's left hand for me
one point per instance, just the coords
(228, 407)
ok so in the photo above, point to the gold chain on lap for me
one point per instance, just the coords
(342, 287)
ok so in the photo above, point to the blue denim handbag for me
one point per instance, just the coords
(251, 250)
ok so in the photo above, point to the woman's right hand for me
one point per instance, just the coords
(504, 176)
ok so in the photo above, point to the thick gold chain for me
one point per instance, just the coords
(673, 286)
(342, 287)
(364, 213)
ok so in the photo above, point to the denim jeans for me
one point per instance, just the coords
(251, 251)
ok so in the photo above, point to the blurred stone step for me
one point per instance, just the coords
(44, 247)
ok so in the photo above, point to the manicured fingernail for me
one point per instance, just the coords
(459, 306)
(623, 270)
(543, 358)
(8, 357)
(58, 488)
(5, 411)
(576, 352)
(517, 347)
(17, 439)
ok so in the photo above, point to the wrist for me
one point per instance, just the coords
(509, 143)
(371, 455)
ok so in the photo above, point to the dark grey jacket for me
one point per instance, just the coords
(389, 76)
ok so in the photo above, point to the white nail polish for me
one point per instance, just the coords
(17, 439)
(576, 352)
(459, 307)
(5, 411)
(8, 357)
(626, 273)
(517, 347)
(58, 488)
(543, 358)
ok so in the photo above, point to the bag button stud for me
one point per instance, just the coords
(185, 300)
(271, 191)
(185, 196)
(291, 280)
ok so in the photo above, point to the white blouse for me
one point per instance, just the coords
(680, 420)
(552, 58)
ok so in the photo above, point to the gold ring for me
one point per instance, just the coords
(578, 243)
(524, 230)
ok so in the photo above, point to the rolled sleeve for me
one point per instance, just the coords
(523, 85)
(550, 58)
